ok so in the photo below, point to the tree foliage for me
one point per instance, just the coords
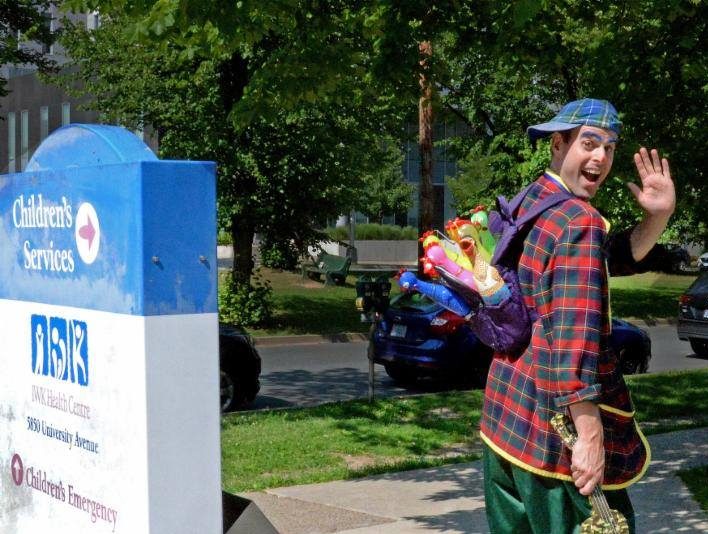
(645, 56)
(384, 191)
(497, 66)
(22, 21)
(281, 174)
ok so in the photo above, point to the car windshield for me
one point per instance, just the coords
(413, 301)
(700, 285)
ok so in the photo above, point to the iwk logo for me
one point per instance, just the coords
(60, 349)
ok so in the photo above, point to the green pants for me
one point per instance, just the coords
(519, 502)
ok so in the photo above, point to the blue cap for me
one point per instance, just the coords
(584, 112)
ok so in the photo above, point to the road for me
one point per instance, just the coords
(305, 375)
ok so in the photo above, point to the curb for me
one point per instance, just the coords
(309, 339)
(651, 322)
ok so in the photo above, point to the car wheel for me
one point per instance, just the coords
(630, 366)
(231, 396)
(683, 266)
(400, 374)
(632, 363)
(700, 347)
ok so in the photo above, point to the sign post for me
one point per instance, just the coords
(109, 377)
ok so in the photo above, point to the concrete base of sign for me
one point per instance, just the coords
(242, 516)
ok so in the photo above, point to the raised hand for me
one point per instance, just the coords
(656, 196)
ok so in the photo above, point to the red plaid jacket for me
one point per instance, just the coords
(563, 275)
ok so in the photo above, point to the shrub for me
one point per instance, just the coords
(223, 238)
(339, 233)
(245, 304)
(279, 255)
(372, 231)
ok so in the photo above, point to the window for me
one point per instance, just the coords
(11, 142)
(43, 122)
(48, 23)
(24, 138)
(65, 113)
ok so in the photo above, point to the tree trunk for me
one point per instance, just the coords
(242, 232)
(425, 144)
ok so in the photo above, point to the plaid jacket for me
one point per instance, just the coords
(563, 275)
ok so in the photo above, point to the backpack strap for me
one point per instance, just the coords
(542, 205)
(508, 210)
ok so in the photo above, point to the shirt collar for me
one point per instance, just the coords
(560, 183)
(557, 179)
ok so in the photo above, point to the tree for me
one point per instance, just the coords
(282, 174)
(332, 46)
(384, 191)
(22, 21)
(497, 66)
(645, 56)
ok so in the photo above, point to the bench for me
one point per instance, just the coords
(335, 269)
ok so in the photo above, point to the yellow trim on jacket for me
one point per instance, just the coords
(567, 478)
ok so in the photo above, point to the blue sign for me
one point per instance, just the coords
(112, 221)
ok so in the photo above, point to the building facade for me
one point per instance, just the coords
(33, 109)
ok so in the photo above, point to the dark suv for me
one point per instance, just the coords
(240, 366)
(693, 315)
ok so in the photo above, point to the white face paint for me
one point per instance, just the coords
(585, 160)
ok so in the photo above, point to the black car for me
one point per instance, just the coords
(678, 258)
(240, 366)
(416, 337)
(693, 315)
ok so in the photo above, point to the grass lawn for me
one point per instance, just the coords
(357, 438)
(308, 307)
(695, 480)
(649, 295)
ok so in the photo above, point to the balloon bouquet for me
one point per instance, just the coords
(462, 262)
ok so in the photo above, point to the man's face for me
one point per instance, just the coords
(585, 160)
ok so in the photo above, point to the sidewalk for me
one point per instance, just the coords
(450, 499)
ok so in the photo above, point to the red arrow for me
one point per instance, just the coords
(88, 231)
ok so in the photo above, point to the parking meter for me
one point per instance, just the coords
(372, 296)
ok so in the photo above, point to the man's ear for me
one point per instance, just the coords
(556, 143)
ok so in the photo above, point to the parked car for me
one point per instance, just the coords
(679, 258)
(417, 338)
(703, 262)
(632, 345)
(240, 367)
(693, 315)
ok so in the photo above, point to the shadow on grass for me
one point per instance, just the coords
(306, 445)
(671, 400)
(317, 314)
(645, 303)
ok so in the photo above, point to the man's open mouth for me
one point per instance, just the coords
(591, 176)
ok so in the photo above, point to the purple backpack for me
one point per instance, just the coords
(506, 327)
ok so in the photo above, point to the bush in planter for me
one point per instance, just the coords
(339, 233)
(245, 304)
(223, 238)
(372, 231)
